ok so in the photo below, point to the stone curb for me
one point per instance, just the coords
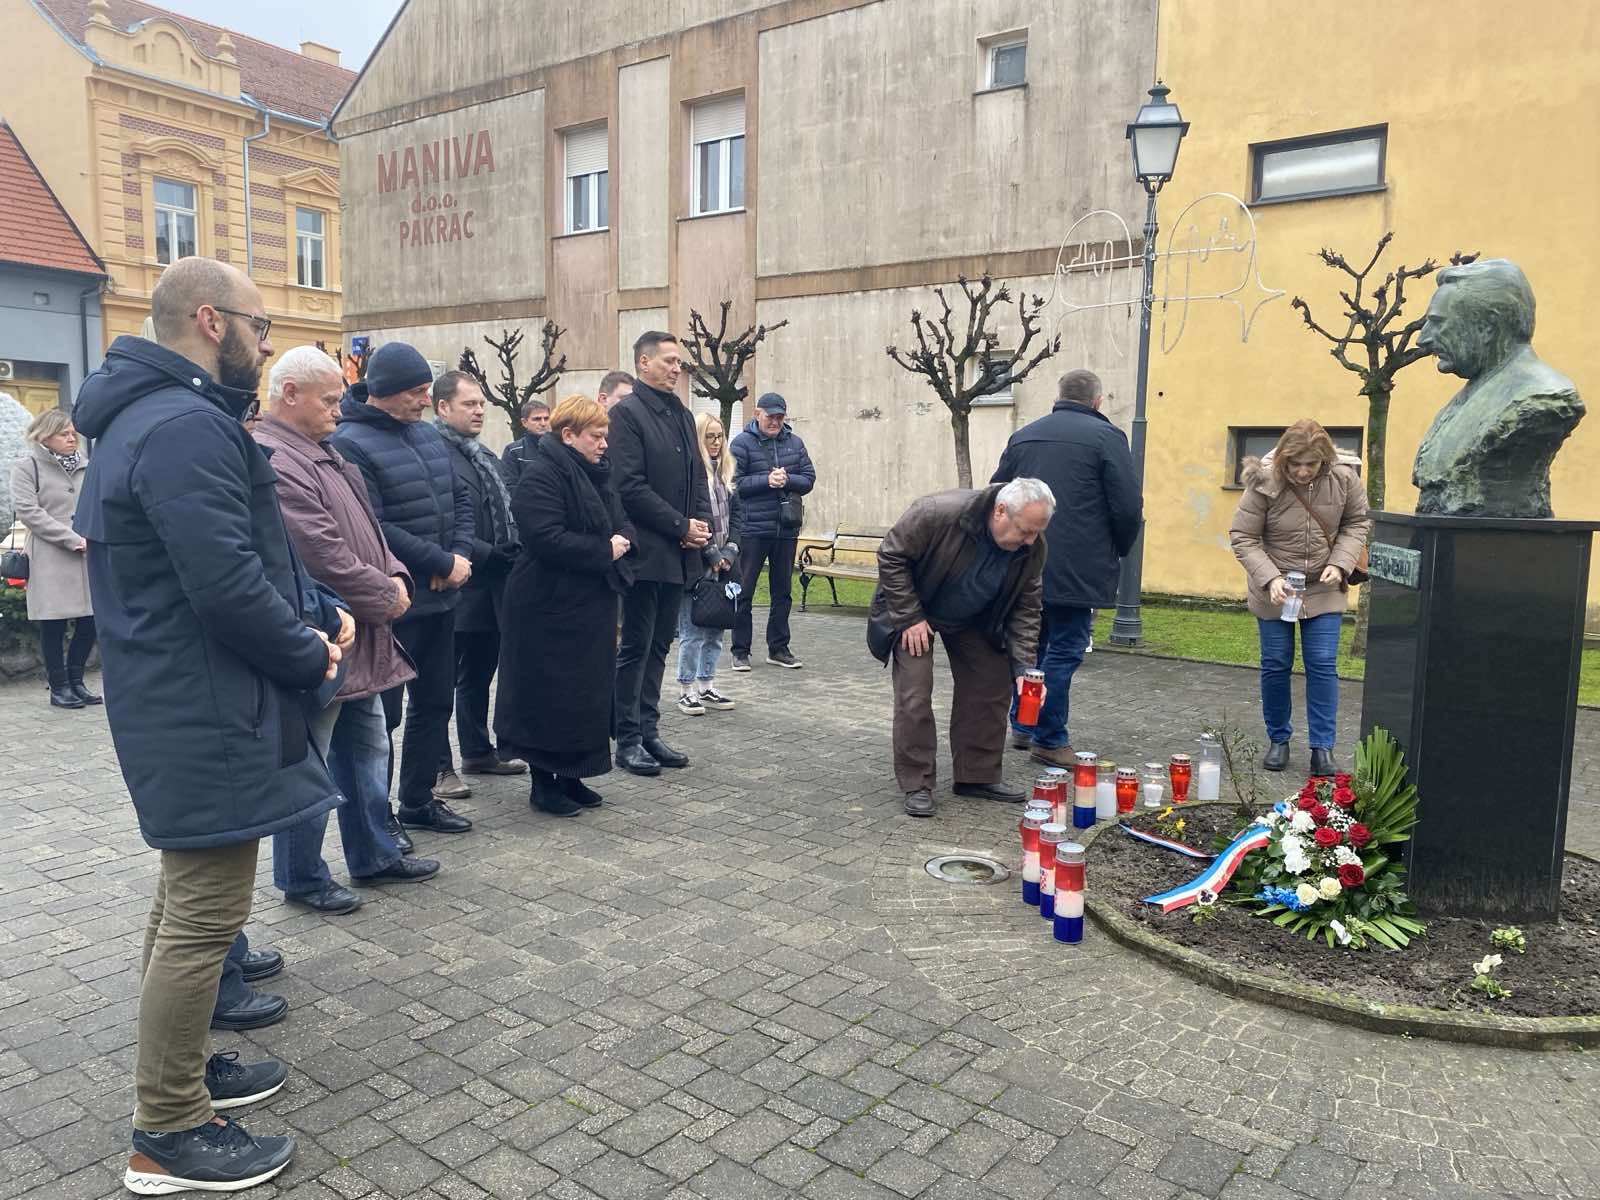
(1407, 1020)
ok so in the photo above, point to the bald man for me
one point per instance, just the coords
(210, 674)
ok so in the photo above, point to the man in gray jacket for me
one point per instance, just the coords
(331, 523)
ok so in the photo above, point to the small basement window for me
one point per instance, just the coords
(1310, 168)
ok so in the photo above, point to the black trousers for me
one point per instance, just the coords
(649, 623)
(753, 554)
(477, 659)
(430, 642)
(59, 658)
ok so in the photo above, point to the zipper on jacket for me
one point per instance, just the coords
(261, 707)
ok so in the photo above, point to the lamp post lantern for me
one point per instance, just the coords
(1155, 136)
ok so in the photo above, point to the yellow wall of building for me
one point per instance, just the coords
(100, 134)
(1493, 146)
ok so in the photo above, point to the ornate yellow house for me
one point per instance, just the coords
(152, 128)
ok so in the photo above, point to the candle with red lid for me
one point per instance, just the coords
(1068, 920)
(1061, 793)
(1033, 817)
(1127, 789)
(1180, 770)
(1085, 778)
(1030, 697)
(1050, 836)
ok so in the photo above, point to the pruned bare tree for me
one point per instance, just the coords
(717, 361)
(1376, 347)
(961, 365)
(508, 395)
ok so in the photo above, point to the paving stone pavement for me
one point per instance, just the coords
(737, 981)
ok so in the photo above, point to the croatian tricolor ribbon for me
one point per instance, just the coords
(1215, 877)
(1155, 839)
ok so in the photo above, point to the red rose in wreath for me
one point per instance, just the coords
(1359, 835)
(1342, 779)
(1307, 801)
(1326, 837)
(1351, 875)
(1319, 813)
(1344, 797)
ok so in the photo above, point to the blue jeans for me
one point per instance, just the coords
(699, 647)
(1319, 649)
(354, 738)
(232, 990)
(1063, 634)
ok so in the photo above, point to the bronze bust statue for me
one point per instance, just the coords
(1489, 450)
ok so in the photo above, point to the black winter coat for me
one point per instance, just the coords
(481, 597)
(558, 647)
(514, 457)
(1084, 459)
(209, 665)
(754, 458)
(422, 506)
(655, 465)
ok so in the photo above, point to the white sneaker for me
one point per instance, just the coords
(711, 698)
(690, 707)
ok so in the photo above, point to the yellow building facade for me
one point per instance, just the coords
(153, 129)
(1470, 130)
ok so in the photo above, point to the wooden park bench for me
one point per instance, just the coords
(849, 552)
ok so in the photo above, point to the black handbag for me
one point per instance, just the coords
(14, 565)
(714, 602)
(881, 634)
(791, 508)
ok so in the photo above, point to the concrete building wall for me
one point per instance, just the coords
(644, 119)
(42, 334)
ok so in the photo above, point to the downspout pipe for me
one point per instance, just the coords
(249, 225)
(83, 322)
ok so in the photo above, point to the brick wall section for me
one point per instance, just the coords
(219, 204)
(266, 191)
(134, 241)
(271, 264)
(144, 125)
(270, 239)
(271, 158)
(135, 215)
(131, 187)
(270, 216)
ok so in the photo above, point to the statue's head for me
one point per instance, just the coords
(1481, 312)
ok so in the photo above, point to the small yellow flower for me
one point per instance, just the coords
(1179, 825)
(1165, 813)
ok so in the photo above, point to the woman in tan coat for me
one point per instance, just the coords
(45, 483)
(1304, 509)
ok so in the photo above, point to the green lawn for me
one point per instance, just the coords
(1184, 631)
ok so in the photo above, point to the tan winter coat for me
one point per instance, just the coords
(45, 498)
(1273, 534)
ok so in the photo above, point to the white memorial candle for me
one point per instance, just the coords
(1152, 795)
(1209, 781)
(1069, 904)
(1105, 798)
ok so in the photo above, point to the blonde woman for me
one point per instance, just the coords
(700, 647)
(1304, 509)
(45, 485)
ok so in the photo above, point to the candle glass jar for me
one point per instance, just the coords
(1127, 789)
(1154, 785)
(1068, 923)
(1208, 769)
(1034, 817)
(1180, 770)
(1050, 837)
(1061, 784)
(1030, 697)
(1105, 790)
(1085, 777)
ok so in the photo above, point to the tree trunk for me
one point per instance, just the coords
(958, 425)
(513, 420)
(1376, 468)
(728, 429)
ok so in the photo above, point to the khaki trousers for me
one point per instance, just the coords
(982, 697)
(202, 902)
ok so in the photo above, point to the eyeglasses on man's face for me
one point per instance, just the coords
(261, 325)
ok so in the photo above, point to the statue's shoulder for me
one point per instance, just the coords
(1537, 379)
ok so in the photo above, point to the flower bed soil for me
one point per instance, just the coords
(1558, 976)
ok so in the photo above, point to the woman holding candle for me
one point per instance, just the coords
(558, 653)
(1304, 509)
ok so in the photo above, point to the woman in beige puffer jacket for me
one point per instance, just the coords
(1304, 509)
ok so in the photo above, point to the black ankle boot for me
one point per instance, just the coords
(75, 685)
(548, 797)
(579, 792)
(61, 695)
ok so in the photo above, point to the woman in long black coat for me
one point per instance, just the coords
(558, 647)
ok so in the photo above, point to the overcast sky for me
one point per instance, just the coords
(352, 27)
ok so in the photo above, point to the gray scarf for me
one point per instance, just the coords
(494, 485)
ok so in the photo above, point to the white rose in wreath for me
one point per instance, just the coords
(1306, 894)
(1329, 888)
(1301, 822)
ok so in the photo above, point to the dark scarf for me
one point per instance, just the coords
(587, 483)
(494, 484)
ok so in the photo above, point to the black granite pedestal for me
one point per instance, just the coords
(1473, 652)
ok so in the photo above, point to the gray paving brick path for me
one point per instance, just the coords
(737, 981)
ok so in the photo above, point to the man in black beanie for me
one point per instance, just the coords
(655, 462)
(426, 515)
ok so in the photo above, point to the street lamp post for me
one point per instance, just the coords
(1155, 136)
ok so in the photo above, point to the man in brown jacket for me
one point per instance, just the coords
(963, 564)
(330, 521)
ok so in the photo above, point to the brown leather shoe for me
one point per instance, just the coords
(449, 787)
(1055, 756)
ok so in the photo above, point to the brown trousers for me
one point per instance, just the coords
(202, 901)
(978, 709)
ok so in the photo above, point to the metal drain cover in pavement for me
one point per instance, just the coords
(966, 868)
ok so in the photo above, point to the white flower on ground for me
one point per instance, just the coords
(1488, 964)
(1329, 887)
(1306, 894)
(1339, 931)
(1301, 822)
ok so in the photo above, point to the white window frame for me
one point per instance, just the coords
(586, 173)
(305, 242)
(720, 136)
(170, 215)
(993, 48)
(994, 399)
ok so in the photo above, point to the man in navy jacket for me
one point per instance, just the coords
(426, 516)
(771, 466)
(210, 670)
(1099, 509)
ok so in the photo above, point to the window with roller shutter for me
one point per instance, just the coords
(717, 134)
(587, 176)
